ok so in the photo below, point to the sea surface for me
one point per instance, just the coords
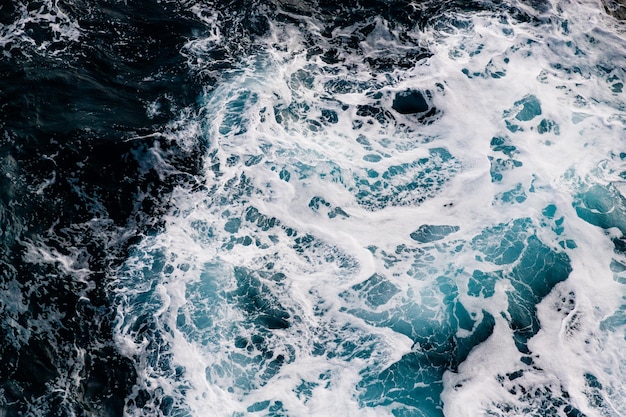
(313, 208)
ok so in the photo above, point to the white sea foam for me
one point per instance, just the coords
(257, 298)
(42, 28)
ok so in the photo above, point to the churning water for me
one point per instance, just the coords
(281, 208)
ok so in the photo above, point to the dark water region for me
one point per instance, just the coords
(78, 187)
(616, 8)
(244, 21)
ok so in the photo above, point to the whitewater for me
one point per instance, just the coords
(401, 209)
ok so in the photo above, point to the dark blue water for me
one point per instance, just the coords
(75, 184)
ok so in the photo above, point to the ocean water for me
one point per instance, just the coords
(281, 208)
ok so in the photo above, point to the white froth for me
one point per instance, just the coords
(49, 18)
(275, 167)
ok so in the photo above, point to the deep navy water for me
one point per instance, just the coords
(311, 208)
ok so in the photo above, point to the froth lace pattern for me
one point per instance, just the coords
(37, 28)
(287, 293)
